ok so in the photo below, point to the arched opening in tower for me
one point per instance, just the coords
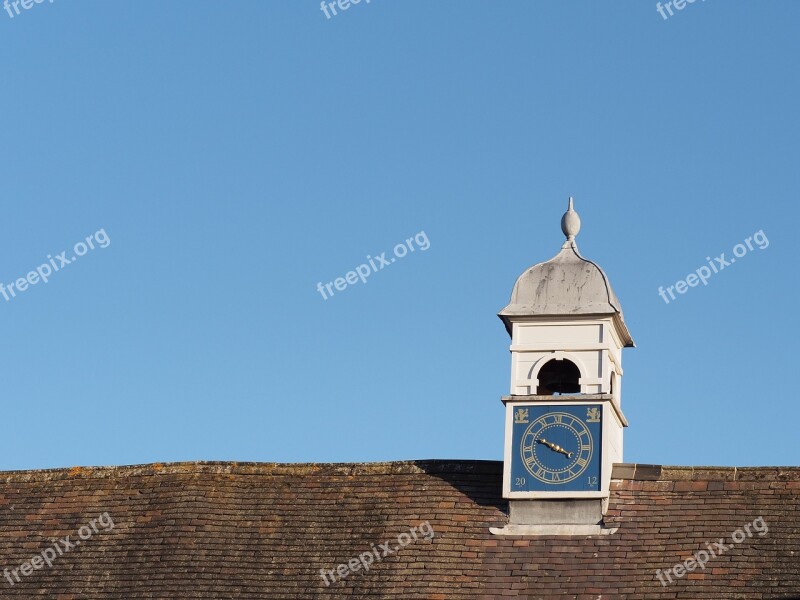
(559, 377)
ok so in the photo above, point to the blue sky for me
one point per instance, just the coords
(236, 154)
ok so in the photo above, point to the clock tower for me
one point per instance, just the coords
(564, 420)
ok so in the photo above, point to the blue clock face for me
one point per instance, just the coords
(556, 448)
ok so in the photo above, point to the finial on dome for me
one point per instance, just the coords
(570, 223)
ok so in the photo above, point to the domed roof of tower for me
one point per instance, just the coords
(566, 285)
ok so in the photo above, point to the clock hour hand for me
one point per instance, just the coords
(554, 447)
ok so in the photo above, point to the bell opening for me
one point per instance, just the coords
(559, 377)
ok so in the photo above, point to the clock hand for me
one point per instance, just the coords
(555, 447)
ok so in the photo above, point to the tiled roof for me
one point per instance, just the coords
(233, 530)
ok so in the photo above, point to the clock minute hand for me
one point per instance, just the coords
(555, 447)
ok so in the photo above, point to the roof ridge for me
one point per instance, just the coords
(265, 468)
(647, 472)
